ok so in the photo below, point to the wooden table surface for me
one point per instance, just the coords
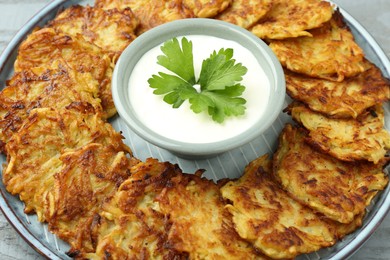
(374, 15)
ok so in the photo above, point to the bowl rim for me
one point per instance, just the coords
(197, 26)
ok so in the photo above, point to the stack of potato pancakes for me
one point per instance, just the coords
(71, 168)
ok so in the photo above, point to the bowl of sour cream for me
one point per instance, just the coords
(174, 126)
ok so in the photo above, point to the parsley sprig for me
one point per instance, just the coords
(220, 90)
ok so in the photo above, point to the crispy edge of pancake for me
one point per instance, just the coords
(339, 190)
(245, 13)
(316, 56)
(131, 218)
(33, 152)
(345, 99)
(363, 138)
(200, 224)
(133, 231)
(266, 216)
(206, 8)
(39, 88)
(288, 19)
(45, 46)
(150, 13)
(112, 30)
(88, 177)
(137, 209)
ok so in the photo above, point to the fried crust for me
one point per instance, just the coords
(34, 151)
(44, 47)
(330, 53)
(88, 176)
(150, 216)
(150, 13)
(132, 226)
(363, 138)
(288, 19)
(112, 30)
(206, 8)
(266, 216)
(245, 13)
(339, 190)
(345, 99)
(42, 88)
(200, 224)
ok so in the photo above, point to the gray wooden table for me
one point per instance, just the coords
(374, 15)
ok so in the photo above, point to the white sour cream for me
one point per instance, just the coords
(182, 124)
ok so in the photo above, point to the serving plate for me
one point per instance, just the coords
(228, 165)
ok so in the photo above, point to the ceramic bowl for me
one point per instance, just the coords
(197, 26)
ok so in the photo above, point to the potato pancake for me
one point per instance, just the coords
(161, 213)
(33, 152)
(245, 13)
(342, 229)
(150, 13)
(292, 18)
(266, 216)
(45, 46)
(339, 190)
(131, 226)
(200, 224)
(135, 236)
(112, 30)
(331, 53)
(363, 138)
(40, 88)
(206, 8)
(87, 177)
(345, 99)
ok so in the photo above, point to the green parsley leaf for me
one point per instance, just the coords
(178, 60)
(220, 70)
(220, 103)
(219, 94)
(171, 86)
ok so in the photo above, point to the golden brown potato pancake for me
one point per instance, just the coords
(74, 194)
(206, 8)
(339, 190)
(331, 53)
(363, 138)
(150, 13)
(41, 88)
(135, 236)
(161, 213)
(266, 216)
(345, 99)
(245, 13)
(33, 153)
(292, 18)
(45, 46)
(200, 224)
(343, 229)
(112, 30)
(131, 226)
